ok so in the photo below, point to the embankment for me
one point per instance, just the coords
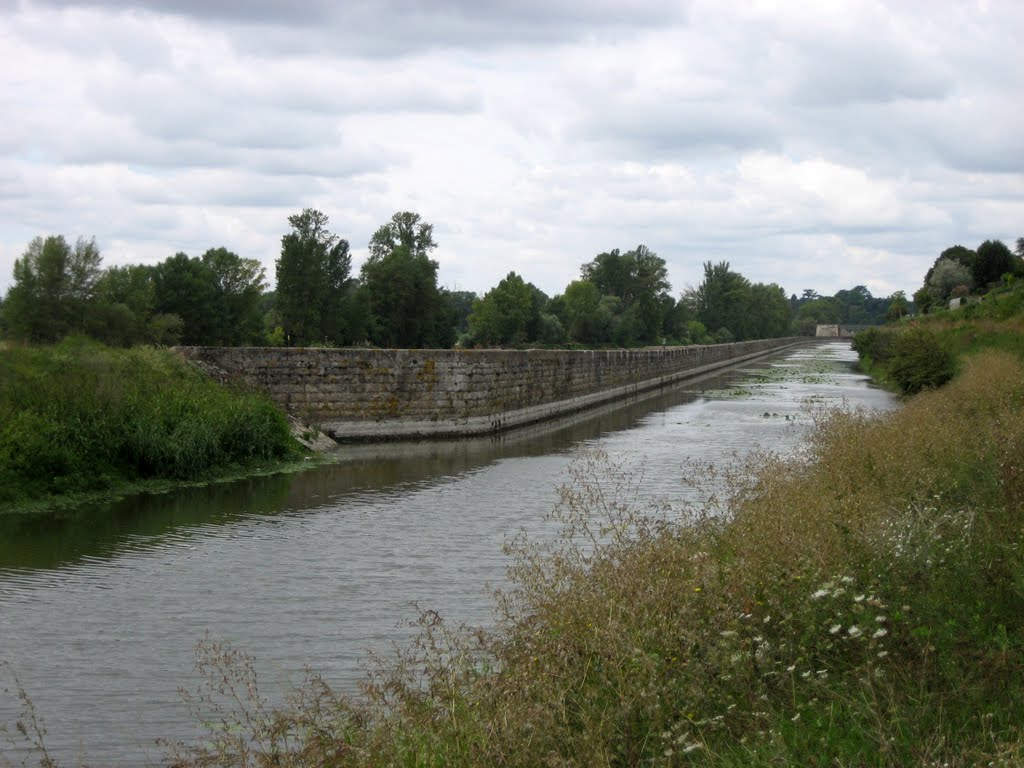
(370, 394)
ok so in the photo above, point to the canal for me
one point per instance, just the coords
(101, 608)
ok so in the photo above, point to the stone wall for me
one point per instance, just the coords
(379, 394)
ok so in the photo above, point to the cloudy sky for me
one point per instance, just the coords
(817, 145)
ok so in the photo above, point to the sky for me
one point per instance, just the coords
(815, 145)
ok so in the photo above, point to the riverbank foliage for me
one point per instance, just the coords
(859, 604)
(79, 417)
(922, 353)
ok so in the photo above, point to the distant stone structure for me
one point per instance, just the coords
(385, 394)
(838, 331)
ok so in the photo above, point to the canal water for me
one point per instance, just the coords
(101, 608)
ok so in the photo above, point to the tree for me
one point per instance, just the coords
(639, 279)
(313, 282)
(993, 261)
(583, 319)
(769, 311)
(814, 313)
(185, 287)
(399, 283)
(723, 300)
(506, 314)
(54, 284)
(897, 307)
(947, 275)
(239, 285)
(404, 229)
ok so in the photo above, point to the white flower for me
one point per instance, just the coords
(859, 599)
(820, 594)
(834, 629)
(879, 619)
(880, 632)
(854, 631)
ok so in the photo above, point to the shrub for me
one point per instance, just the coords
(82, 417)
(920, 361)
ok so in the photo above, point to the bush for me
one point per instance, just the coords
(82, 417)
(919, 361)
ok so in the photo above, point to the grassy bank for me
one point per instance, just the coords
(925, 352)
(79, 419)
(861, 605)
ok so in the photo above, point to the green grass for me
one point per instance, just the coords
(79, 418)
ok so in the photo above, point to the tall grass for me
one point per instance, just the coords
(80, 417)
(862, 604)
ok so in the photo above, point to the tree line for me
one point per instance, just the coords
(621, 298)
(960, 272)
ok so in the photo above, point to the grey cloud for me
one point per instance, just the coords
(398, 27)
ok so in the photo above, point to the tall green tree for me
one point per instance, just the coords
(639, 279)
(239, 284)
(313, 282)
(399, 284)
(993, 261)
(185, 288)
(770, 314)
(722, 300)
(507, 314)
(54, 284)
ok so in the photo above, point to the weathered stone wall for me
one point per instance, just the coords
(367, 394)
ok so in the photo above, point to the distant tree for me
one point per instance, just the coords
(814, 313)
(54, 284)
(505, 314)
(897, 306)
(399, 282)
(770, 314)
(313, 282)
(993, 261)
(723, 301)
(583, 319)
(405, 229)
(946, 276)
(639, 279)
(924, 299)
(461, 307)
(239, 284)
(185, 286)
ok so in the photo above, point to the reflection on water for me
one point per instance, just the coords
(100, 608)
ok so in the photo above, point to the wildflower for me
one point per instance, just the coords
(728, 633)
(854, 631)
(847, 580)
(791, 668)
(882, 654)
(795, 717)
(880, 619)
(880, 632)
(859, 599)
(689, 748)
(820, 594)
(834, 629)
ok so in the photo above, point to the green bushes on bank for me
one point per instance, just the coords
(80, 417)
